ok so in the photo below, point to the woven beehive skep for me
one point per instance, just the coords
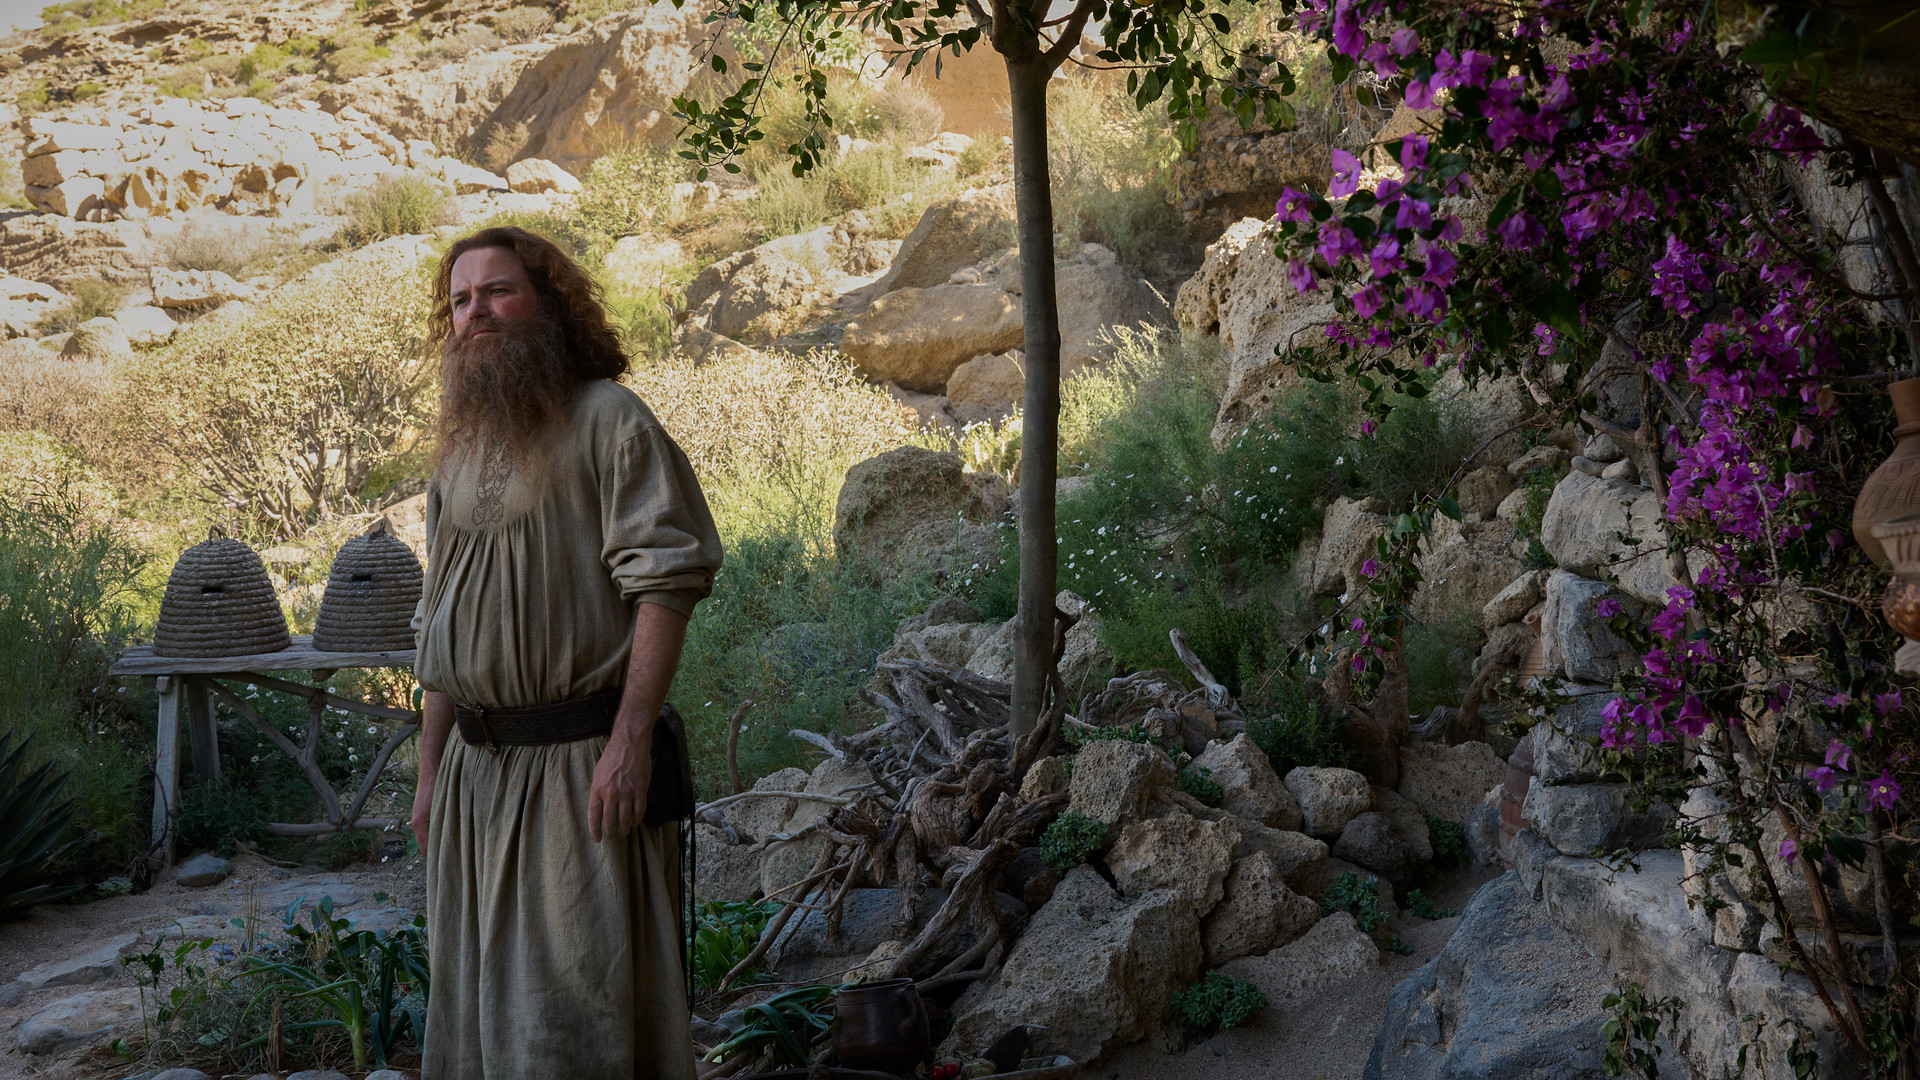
(371, 594)
(219, 602)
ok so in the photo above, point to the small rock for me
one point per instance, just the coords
(146, 325)
(705, 1032)
(1251, 788)
(203, 870)
(10, 994)
(755, 819)
(724, 871)
(196, 1074)
(78, 1021)
(1332, 952)
(1029, 879)
(1586, 465)
(1513, 602)
(1368, 841)
(97, 964)
(1545, 456)
(1048, 776)
(101, 338)
(1603, 449)
(1329, 798)
(1257, 913)
(1113, 778)
(317, 1074)
(536, 176)
(1449, 781)
(1177, 852)
(1300, 859)
(1620, 470)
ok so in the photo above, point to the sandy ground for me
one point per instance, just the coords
(1330, 1038)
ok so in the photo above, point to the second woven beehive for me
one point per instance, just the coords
(371, 593)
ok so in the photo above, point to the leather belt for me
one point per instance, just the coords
(539, 725)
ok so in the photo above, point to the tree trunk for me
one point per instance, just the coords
(1040, 418)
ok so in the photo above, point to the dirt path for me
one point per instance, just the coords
(54, 933)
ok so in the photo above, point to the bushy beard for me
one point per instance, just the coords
(498, 391)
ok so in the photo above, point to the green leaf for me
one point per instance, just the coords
(1449, 506)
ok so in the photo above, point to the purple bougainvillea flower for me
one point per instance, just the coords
(1419, 96)
(1838, 701)
(1367, 301)
(1788, 850)
(1692, 719)
(1301, 276)
(1385, 258)
(1405, 40)
(1413, 152)
(1346, 174)
(1366, 428)
(1337, 242)
(1883, 791)
(1359, 662)
(1522, 231)
(1413, 214)
(1370, 568)
(1886, 703)
(1822, 777)
(1840, 755)
(1607, 608)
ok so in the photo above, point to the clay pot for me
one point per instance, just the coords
(1894, 488)
(883, 1027)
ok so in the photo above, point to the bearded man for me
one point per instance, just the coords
(568, 542)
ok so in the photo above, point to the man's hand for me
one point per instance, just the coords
(619, 799)
(422, 803)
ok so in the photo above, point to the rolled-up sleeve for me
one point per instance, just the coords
(660, 543)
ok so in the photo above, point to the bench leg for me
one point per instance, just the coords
(202, 735)
(166, 766)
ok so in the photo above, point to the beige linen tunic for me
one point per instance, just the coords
(553, 956)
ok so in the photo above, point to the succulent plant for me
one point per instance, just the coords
(32, 824)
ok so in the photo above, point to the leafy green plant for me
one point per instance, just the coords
(1298, 732)
(32, 824)
(1217, 1003)
(1538, 485)
(1200, 784)
(1449, 841)
(1357, 896)
(92, 298)
(216, 816)
(395, 206)
(370, 985)
(784, 1027)
(725, 933)
(1632, 1030)
(1423, 908)
(1072, 839)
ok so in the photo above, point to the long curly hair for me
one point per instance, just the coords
(565, 289)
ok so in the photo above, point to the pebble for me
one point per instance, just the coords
(10, 995)
(1620, 470)
(181, 1074)
(203, 870)
(1587, 465)
(317, 1074)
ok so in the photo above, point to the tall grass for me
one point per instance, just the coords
(1112, 169)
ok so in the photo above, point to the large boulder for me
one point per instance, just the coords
(193, 289)
(1096, 969)
(1578, 819)
(724, 871)
(953, 233)
(644, 263)
(762, 299)
(1575, 641)
(1241, 293)
(920, 337)
(146, 325)
(986, 387)
(537, 176)
(1179, 853)
(884, 498)
(1300, 859)
(1096, 297)
(760, 817)
(1368, 842)
(1465, 568)
(1114, 778)
(1328, 798)
(1584, 521)
(99, 338)
(612, 82)
(23, 303)
(51, 247)
(448, 105)
(1512, 603)
(1258, 912)
(1348, 530)
(1236, 172)
(1252, 790)
(1449, 781)
(1510, 996)
(1334, 951)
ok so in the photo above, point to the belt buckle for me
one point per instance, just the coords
(480, 717)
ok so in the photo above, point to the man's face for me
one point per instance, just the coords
(490, 286)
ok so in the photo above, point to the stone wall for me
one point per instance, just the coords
(239, 155)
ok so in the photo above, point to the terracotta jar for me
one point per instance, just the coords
(883, 1027)
(1894, 487)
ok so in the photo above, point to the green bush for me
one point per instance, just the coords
(1358, 896)
(1449, 841)
(395, 206)
(1439, 656)
(1072, 839)
(1538, 485)
(1113, 171)
(624, 191)
(1423, 908)
(724, 934)
(1296, 732)
(1200, 784)
(32, 825)
(1217, 1003)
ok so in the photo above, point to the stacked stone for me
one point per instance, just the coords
(240, 155)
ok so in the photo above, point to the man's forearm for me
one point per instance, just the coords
(659, 633)
(436, 725)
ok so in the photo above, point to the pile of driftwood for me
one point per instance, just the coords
(943, 805)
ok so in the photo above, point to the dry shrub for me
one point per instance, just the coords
(504, 143)
(521, 24)
(770, 411)
(60, 398)
(282, 418)
(229, 246)
(907, 111)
